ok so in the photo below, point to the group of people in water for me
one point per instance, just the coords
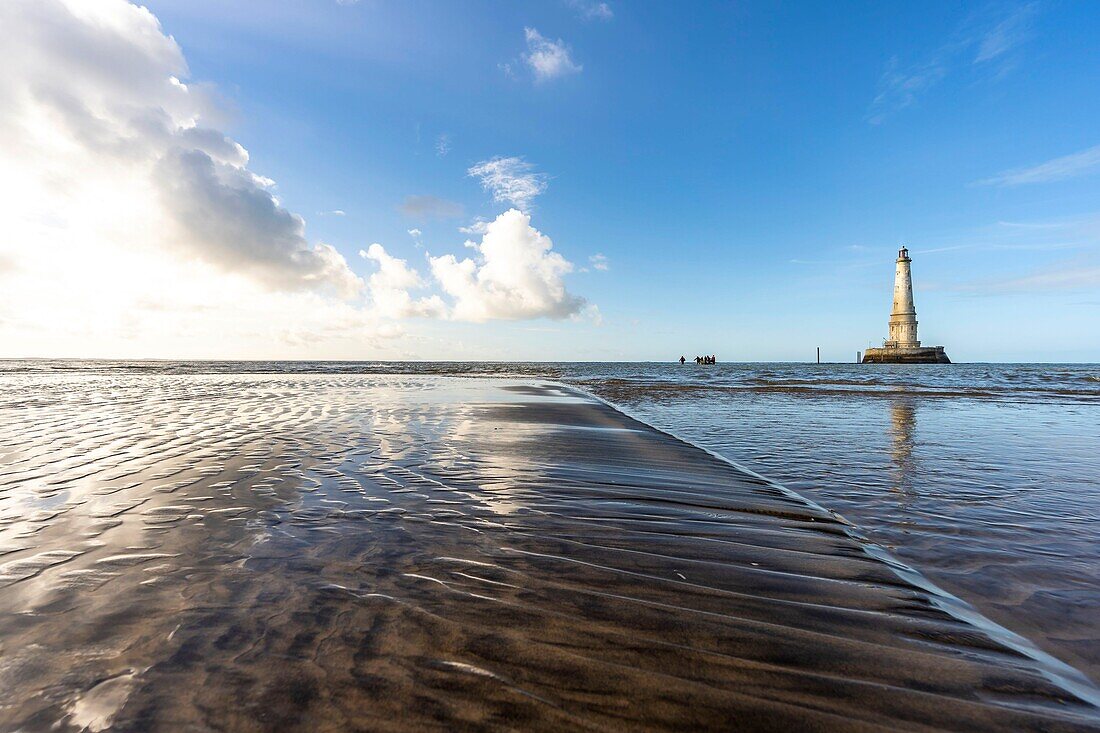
(712, 359)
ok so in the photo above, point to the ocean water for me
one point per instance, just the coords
(984, 477)
(196, 547)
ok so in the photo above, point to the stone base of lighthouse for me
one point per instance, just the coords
(906, 355)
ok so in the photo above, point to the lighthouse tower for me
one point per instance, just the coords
(903, 318)
(901, 345)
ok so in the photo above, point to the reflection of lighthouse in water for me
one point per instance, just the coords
(903, 419)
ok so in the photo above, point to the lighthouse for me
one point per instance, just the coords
(903, 317)
(901, 345)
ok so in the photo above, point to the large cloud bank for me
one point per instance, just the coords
(93, 87)
(135, 226)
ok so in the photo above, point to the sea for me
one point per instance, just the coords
(984, 477)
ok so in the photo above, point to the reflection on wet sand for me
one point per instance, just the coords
(336, 552)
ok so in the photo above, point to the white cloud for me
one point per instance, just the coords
(414, 233)
(131, 215)
(389, 288)
(992, 41)
(548, 59)
(600, 262)
(510, 180)
(589, 10)
(900, 88)
(1006, 34)
(1078, 274)
(443, 145)
(225, 219)
(516, 275)
(476, 227)
(334, 212)
(1070, 277)
(135, 227)
(1067, 166)
(93, 89)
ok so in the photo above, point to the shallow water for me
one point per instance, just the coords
(986, 477)
(170, 485)
(396, 552)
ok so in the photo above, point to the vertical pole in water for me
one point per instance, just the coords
(859, 354)
(818, 354)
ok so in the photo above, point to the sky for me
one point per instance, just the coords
(560, 180)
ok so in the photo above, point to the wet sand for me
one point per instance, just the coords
(266, 552)
(986, 477)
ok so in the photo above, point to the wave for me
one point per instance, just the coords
(649, 380)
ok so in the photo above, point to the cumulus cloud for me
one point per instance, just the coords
(126, 194)
(516, 275)
(510, 180)
(225, 218)
(137, 228)
(389, 288)
(105, 81)
(548, 59)
(476, 227)
(430, 207)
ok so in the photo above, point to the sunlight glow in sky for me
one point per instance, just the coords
(553, 181)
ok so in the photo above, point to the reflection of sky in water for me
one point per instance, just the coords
(199, 497)
(993, 492)
(114, 485)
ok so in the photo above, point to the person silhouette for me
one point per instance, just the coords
(682, 359)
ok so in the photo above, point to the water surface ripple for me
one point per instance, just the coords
(985, 476)
(272, 551)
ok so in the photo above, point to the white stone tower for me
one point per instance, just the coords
(903, 318)
(901, 346)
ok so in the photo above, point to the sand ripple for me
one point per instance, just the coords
(273, 552)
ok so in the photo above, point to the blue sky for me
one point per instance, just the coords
(747, 170)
